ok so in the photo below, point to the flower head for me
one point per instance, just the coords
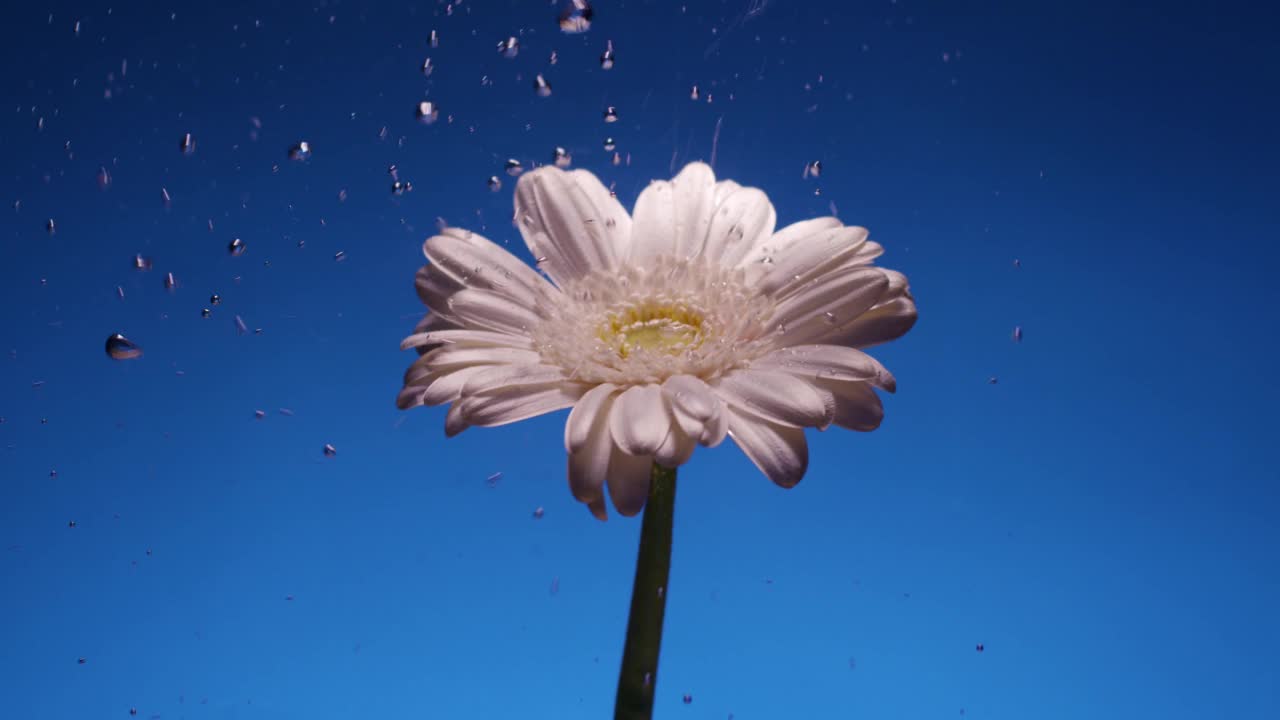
(689, 321)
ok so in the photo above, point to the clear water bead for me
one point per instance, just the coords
(609, 144)
(611, 114)
(236, 247)
(495, 183)
(513, 167)
(120, 347)
(561, 157)
(575, 16)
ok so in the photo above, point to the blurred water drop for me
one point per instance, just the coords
(236, 247)
(611, 114)
(205, 313)
(120, 291)
(71, 523)
(259, 414)
(241, 328)
(400, 187)
(993, 380)
(561, 157)
(301, 151)
(164, 197)
(1017, 334)
(606, 58)
(555, 585)
(81, 661)
(170, 282)
(493, 479)
(120, 347)
(329, 450)
(609, 144)
(541, 86)
(495, 183)
(51, 227)
(1017, 263)
(214, 299)
(575, 16)
(187, 145)
(513, 167)
(509, 48)
(538, 512)
(141, 263)
(813, 169)
(688, 699)
(427, 68)
(693, 95)
(427, 112)
(980, 647)
(434, 39)
(104, 178)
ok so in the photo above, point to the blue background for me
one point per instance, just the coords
(1103, 520)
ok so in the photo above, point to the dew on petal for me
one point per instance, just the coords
(611, 114)
(330, 450)
(427, 112)
(541, 86)
(575, 16)
(561, 157)
(513, 167)
(300, 151)
(236, 247)
(120, 347)
(509, 48)
(495, 183)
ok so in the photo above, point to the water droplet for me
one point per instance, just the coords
(980, 647)
(170, 282)
(187, 145)
(71, 523)
(561, 157)
(120, 347)
(434, 39)
(575, 16)
(427, 68)
(513, 167)
(141, 263)
(555, 585)
(495, 183)
(830, 317)
(493, 479)
(81, 661)
(339, 256)
(606, 58)
(538, 513)
(400, 187)
(609, 144)
(541, 86)
(236, 247)
(509, 48)
(104, 178)
(1017, 263)
(693, 95)
(688, 699)
(259, 414)
(427, 112)
(241, 328)
(51, 227)
(301, 151)
(120, 291)
(1017, 334)
(611, 114)
(214, 299)
(164, 197)
(205, 313)
(813, 169)
(329, 450)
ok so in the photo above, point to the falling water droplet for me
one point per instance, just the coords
(170, 282)
(609, 144)
(561, 157)
(495, 183)
(329, 450)
(339, 256)
(688, 699)
(513, 167)
(538, 513)
(259, 414)
(1017, 263)
(509, 48)
(205, 313)
(400, 187)
(241, 328)
(434, 39)
(993, 380)
(575, 16)
(493, 479)
(236, 247)
(104, 178)
(541, 87)
(141, 263)
(813, 169)
(611, 114)
(51, 227)
(427, 112)
(120, 347)
(164, 197)
(1017, 334)
(606, 58)
(301, 151)
(214, 299)
(693, 95)
(187, 145)
(427, 67)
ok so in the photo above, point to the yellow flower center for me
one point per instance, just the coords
(668, 329)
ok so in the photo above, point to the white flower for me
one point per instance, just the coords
(689, 321)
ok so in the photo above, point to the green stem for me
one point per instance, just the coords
(639, 674)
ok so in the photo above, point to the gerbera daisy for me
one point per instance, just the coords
(688, 321)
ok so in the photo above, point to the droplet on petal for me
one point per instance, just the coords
(120, 347)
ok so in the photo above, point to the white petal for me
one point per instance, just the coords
(743, 221)
(724, 189)
(484, 338)
(780, 452)
(615, 222)
(435, 288)
(409, 396)
(829, 302)
(676, 449)
(885, 322)
(697, 409)
(561, 222)
(596, 506)
(639, 420)
(629, 477)
(495, 377)
(673, 218)
(775, 396)
(813, 258)
(855, 405)
(589, 462)
(481, 309)
(453, 356)
(829, 362)
(583, 417)
(431, 323)
(509, 405)
(454, 421)
(476, 262)
(446, 387)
